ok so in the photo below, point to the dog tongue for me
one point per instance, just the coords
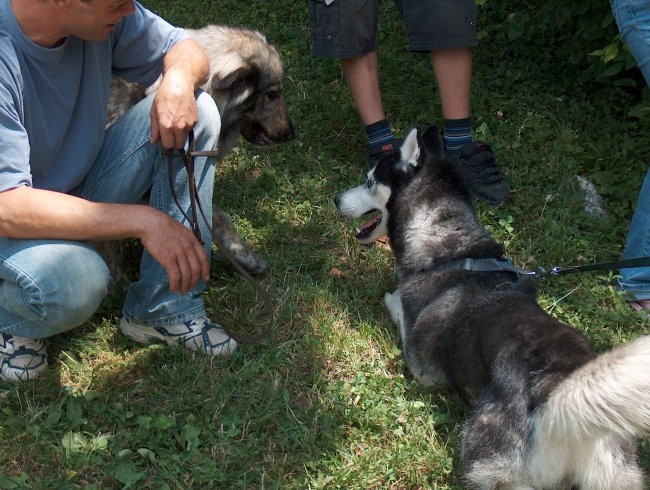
(368, 226)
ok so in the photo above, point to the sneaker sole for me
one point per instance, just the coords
(15, 375)
(135, 333)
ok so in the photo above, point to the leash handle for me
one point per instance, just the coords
(188, 162)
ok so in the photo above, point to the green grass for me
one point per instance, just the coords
(327, 403)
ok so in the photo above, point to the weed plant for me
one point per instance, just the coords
(328, 403)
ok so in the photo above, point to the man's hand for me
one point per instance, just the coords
(174, 111)
(178, 251)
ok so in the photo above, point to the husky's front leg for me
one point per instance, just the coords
(394, 304)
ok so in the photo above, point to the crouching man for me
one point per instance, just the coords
(65, 180)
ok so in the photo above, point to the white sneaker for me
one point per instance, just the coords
(198, 335)
(21, 358)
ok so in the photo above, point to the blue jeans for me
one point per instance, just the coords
(633, 20)
(50, 286)
(636, 280)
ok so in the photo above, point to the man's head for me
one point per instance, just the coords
(93, 20)
(49, 22)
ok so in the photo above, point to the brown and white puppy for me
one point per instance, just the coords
(246, 81)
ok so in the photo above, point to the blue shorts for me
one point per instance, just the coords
(348, 28)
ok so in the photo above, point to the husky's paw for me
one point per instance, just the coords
(393, 302)
(224, 230)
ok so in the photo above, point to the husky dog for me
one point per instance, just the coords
(245, 80)
(548, 412)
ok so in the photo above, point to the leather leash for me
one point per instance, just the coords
(196, 208)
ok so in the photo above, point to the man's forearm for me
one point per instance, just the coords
(188, 58)
(35, 213)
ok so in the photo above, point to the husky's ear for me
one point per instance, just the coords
(410, 151)
(431, 142)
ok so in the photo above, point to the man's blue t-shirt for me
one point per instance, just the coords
(53, 101)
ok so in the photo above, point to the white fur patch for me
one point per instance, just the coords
(393, 302)
(580, 429)
(410, 150)
(364, 198)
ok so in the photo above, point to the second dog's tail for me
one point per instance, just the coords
(609, 396)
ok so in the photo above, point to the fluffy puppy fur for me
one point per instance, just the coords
(246, 82)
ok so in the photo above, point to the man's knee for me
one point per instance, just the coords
(69, 290)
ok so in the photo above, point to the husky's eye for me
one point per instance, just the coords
(273, 95)
(370, 183)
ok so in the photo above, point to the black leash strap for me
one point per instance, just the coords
(486, 265)
(502, 265)
(195, 209)
(621, 264)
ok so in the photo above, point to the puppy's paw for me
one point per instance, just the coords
(227, 237)
(252, 263)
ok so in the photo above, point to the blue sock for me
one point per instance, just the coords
(379, 134)
(457, 132)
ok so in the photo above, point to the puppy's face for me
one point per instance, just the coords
(249, 88)
(267, 122)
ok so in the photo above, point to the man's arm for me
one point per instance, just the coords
(174, 111)
(35, 213)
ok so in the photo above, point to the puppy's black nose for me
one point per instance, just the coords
(337, 199)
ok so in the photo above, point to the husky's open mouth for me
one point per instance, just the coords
(365, 230)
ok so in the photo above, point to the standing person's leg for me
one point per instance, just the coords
(362, 76)
(447, 30)
(453, 71)
(636, 281)
(347, 31)
(633, 20)
(128, 167)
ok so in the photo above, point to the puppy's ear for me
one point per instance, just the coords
(233, 83)
(238, 75)
(431, 142)
(410, 151)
